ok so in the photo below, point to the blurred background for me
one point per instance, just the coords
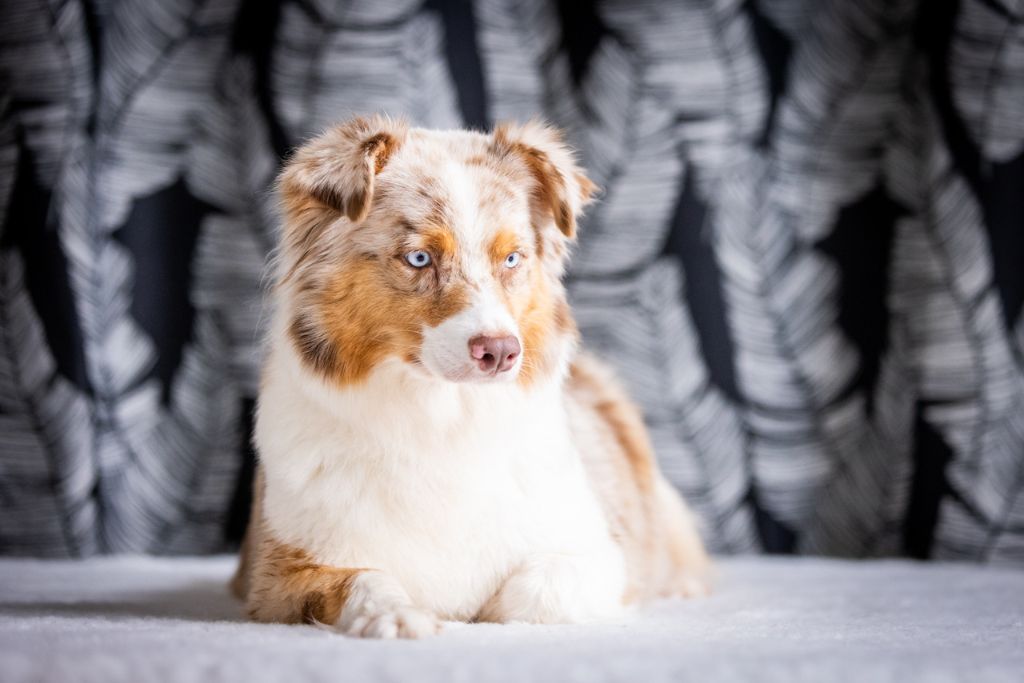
(808, 262)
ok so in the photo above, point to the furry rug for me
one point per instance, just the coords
(151, 619)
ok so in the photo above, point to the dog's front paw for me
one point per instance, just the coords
(377, 607)
(399, 621)
(559, 589)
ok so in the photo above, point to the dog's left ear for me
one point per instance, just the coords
(561, 188)
(338, 167)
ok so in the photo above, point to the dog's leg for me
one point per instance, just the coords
(288, 588)
(560, 588)
(378, 607)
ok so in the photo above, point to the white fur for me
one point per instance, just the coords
(459, 492)
(445, 349)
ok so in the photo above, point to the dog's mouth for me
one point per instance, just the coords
(464, 373)
(472, 375)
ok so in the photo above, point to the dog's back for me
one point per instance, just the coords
(664, 553)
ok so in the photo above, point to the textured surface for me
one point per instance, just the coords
(141, 619)
(806, 262)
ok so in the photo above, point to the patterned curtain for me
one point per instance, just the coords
(807, 264)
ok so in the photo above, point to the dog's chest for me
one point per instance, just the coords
(452, 514)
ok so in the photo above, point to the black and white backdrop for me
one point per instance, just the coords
(808, 262)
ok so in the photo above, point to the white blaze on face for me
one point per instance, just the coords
(446, 347)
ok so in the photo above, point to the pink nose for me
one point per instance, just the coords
(494, 354)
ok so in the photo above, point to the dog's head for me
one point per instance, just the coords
(443, 249)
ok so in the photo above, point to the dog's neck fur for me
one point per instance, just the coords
(398, 404)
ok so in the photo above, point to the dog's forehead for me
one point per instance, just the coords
(453, 179)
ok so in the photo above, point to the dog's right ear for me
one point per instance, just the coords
(337, 168)
(561, 188)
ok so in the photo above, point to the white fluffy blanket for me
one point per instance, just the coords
(147, 619)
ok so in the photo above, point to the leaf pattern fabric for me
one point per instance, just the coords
(807, 263)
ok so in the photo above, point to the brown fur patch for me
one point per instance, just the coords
(504, 243)
(332, 196)
(620, 415)
(543, 322)
(314, 348)
(289, 587)
(379, 148)
(588, 188)
(281, 583)
(440, 242)
(373, 308)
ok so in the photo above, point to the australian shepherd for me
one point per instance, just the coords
(432, 443)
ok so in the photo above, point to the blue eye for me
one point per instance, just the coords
(418, 259)
(512, 260)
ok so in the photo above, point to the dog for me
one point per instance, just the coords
(432, 443)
